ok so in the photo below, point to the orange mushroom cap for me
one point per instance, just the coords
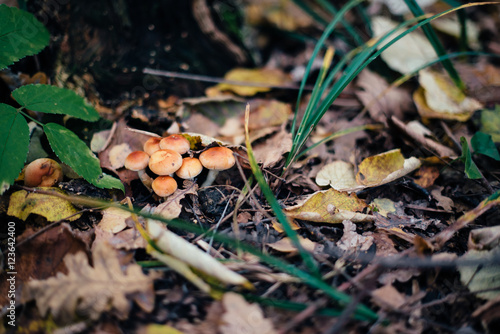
(175, 143)
(137, 160)
(164, 186)
(42, 172)
(217, 158)
(165, 162)
(191, 167)
(152, 145)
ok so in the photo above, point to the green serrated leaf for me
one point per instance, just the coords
(73, 152)
(470, 166)
(14, 141)
(55, 100)
(483, 144)
(108, 182)
(21, 35)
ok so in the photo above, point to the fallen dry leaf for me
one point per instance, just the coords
(426, 175)
(406, 55)
(439, 98)
(118, 154)
(89, 291)
(266, 76)
(270, 151)
(388, 296)
(113, 220)
(329, 206)
(442, 201)
(351, 241)
(373, 171)
(381, 104)
(416, 131)
(285, 15)
(243, 317)
(481, 278)
(485, 238)
(285, 245)
(53, 208)
(385, 167)
(384, 206)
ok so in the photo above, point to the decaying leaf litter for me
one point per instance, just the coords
(400, 214)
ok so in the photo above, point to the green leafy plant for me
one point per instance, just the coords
(481, 144)
(22, 35)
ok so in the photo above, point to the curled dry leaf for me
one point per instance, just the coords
(484, 238)
(406, 55)
(419, 133)
(118, 154)
(373, 171)
(175, 246)
(381, 102)
(388, 296)
(87, 292)
(439, 98)
(243, 317)
(329, 206)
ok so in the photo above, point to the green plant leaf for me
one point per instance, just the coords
(14, 141)
(483, 144)
(73, 152)
(470, 166)
(21, 35)
(54, 100)
(108, 182)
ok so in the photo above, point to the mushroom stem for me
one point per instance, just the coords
(146, 180)
(212, 174)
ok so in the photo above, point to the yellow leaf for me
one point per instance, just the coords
(271, 77)
(279, 228)
(439, 98)
(339, 175)
(160, 329)
(330, 206)
(373, 170)
(22, 204)
(384, 205)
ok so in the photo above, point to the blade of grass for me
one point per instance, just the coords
(273, 202)
(436, 44)
(358, 64)
(340, 134)
(462, 19)
(328, 30)
(348, 27)
(313, 281)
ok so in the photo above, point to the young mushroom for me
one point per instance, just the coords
(164, 186)
(42, 172)
(216, 159)
(175, 143)
(152, 145)
(165, 162)
(191, 168)
(138, 161)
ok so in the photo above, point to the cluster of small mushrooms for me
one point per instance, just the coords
(164, 157)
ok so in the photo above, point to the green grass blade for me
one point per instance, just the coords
(273, 202)
(436, 44)
(328, 30)
(462, 19)
(362, 60)
(348, 27)
(337, 135)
